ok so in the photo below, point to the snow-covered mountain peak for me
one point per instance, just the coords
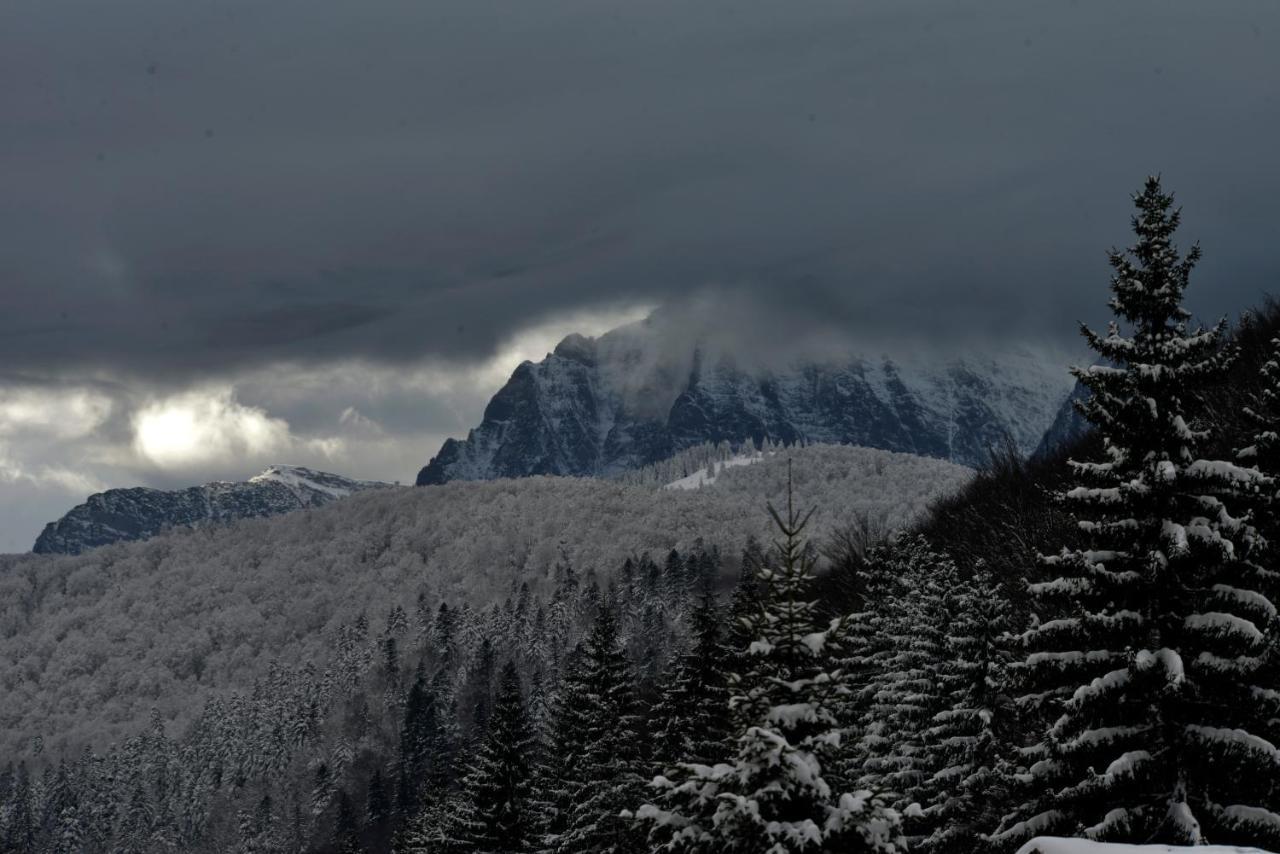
(307, 483)
(642, 392)
(140, 512)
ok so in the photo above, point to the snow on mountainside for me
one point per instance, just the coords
(709, 475)
(599, 406)
(1046, 845)
(139, 512)
(89, 643)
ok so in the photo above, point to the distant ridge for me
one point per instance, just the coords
(137, 513)
(630, 398)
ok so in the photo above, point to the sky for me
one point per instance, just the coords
(235, 233)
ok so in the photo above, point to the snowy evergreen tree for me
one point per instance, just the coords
(966, 747)
(1150, 640)
(494, 813)
(606, 779)
(566, 746)
(1261, 563)
(346, 826)
(772, 797)
(417, 734)
(19, 819)
(902, 690)
(692, 719)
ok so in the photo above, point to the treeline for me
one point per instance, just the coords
(90, 644)
(370, 752)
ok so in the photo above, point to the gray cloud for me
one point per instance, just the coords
(196, 190)
(326, 206)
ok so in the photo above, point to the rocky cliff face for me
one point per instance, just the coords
(138, 513)
(1068, 425)
(598, 406)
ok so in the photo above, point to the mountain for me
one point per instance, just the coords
(140, 512)
(598, 406)
(1068, 425)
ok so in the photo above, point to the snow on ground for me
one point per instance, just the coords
(702, 477)
(1046, 845)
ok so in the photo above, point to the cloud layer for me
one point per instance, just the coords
(322, 229)
(193, 190)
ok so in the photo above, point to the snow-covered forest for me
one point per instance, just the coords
(1084, 645)
(92, 643)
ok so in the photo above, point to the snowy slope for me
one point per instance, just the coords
(137, 513)
(1046, 845)
(89, 643)
(708, 476)
(630, 398)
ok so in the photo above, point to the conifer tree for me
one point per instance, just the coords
(493, 813)
(377, 809)
(565, 737)
(607, 778)
(1150, 639)
(377, 804)
(966, 747)
(901, 690)
(19, 830)
(346, 828)
(773, 796)
(1261, 563)
(417, 733)
(692, 719)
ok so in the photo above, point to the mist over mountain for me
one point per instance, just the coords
(637, 394)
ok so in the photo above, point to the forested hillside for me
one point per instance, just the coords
(92, 643)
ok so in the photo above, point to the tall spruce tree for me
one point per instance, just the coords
(967, 745)
(1150, 640)
(565, 737)
(691, 723)
(494, 813)
(773, 796)
(901, 686)
(1261, 563)
(607, 777)
(418, 732)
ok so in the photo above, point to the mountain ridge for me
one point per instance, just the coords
(140, 512)
(598, 406)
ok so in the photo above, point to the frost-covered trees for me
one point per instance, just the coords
(597, 750)
(692, 719)
(898, 657)
(493, 811)
(1149, 640)
(772, 794)
(1260, 564)
(967, 743)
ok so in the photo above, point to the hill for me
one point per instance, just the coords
(91, 643)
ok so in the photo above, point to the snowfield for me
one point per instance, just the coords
(707, 476)
(1045, 845)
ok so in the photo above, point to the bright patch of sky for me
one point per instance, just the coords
(364, 420)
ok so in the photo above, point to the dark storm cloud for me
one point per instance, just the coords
(193, 189)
